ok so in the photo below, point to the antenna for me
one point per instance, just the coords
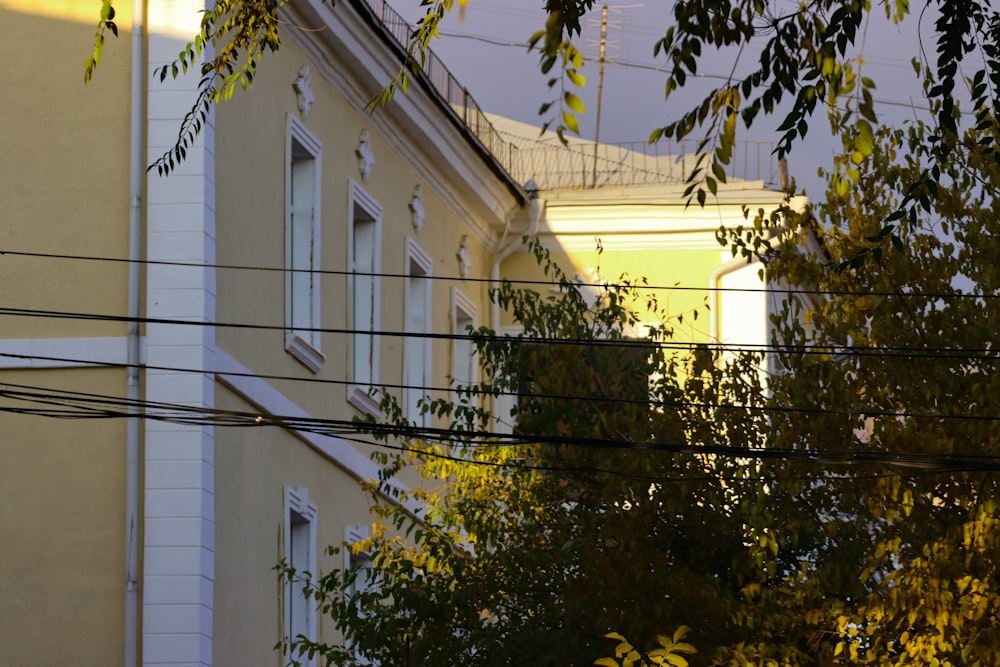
(600, 84)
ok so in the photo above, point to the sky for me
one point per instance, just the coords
(486, 51)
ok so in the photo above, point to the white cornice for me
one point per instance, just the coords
(357, 63)
(260, 393)
(688, 240)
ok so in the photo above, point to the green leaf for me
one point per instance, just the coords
(574, 102)
(571, 123)
(864, 140)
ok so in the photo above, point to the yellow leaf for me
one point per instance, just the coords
(606, 662)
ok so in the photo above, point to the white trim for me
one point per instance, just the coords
(302, 350)
(304, 345)
(460, 302)
(179, 538)
(504, 403)
(416, 257)
(269, 400)
(613, 241)
(357, 394)
(353, 535)
(296, 499)
(23, 353)
(359, 397)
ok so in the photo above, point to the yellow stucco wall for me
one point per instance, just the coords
(252, 468)
(688, 268)
(250, 145)
(63, 521)
(64, 171)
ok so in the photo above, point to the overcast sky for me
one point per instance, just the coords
(486, 52)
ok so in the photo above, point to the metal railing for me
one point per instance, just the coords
(584, 166)
(578, 165)
(452, 92)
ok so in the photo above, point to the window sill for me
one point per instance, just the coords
(303, 350)
(357, 395)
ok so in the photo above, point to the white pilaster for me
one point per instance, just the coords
(179, 544)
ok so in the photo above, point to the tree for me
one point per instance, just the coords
(898, 366)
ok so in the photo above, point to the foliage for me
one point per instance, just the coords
(669, 652)
(896, 365)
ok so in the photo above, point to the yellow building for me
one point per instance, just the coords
(270, 276)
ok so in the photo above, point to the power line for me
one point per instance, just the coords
(77, 405)
(487, 389)
(543, 283)
(927, 352)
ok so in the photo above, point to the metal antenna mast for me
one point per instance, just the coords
(600, 84)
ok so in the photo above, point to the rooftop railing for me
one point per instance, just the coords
(578, 165)
(447, 86)
(583, 166)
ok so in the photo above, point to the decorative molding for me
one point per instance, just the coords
(464, 257)
(365, 403)
(303, 91)
(304, 352)
(699, 240)
(416, 205)
(257, 391)
(366, 159)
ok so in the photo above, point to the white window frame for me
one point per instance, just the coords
(363, 360)
(303, 342)
(417, 352)
(299, 525)
(504, 403)
(463, 351)
(353, 535)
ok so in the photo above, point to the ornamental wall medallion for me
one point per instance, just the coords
(366, 159)
(303, 91)
(464, 257)
(417, 208)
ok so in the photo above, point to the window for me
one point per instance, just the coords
(416, 319)
(302, 229)
(300, 554)
(464, 369)
(365, 262)
(361, 561)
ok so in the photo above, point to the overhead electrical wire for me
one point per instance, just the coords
(486, 390)
(97, 406)
(927, 352)
(514, 281)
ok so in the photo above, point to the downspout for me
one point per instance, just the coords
(715, 293)
(506, 251)
(136, 173)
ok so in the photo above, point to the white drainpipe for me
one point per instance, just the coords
(137, 170)
(507, 250)
(715, 294)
